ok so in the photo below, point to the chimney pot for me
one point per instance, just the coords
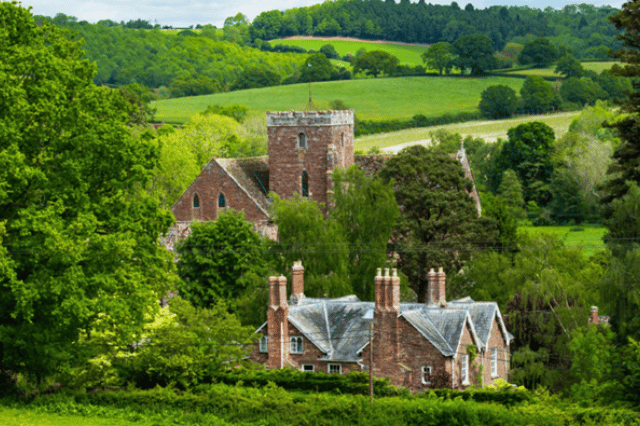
(386, 272)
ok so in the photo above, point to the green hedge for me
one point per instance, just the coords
(372, 127)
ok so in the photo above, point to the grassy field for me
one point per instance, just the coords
(597, 67)
(371, 98)
(22, 417)
(406, 54)
(589, 239)
(488, 130)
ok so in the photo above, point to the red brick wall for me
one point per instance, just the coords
(287, 161)
(496, 340)
(212, 181)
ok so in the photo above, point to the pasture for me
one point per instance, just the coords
(587, 238)
(372, 99)
(407, 54)
(596, 67)
(488, 130)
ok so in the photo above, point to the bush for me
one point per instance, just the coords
(498, 102)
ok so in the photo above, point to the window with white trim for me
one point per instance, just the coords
(426, 374)
(296, 345)
(335, 368)
(302, 141)
(308, 367)
(264, 344)
(494, 362)
(464, 370)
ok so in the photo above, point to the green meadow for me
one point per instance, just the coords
(488, 130)
(406, 54)
(588, 238)
(596, 67)
(372, 99)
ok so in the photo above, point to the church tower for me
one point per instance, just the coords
(304, 149)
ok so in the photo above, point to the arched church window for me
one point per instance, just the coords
(302, 141)
(196, 200)
(305, 184)
(342, 139)
(222, 202)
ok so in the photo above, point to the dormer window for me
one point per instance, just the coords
(302, 141)
(222, 202)
(196, 201)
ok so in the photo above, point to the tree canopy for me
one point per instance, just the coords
(375, 62)
(539, 52)
(498, 102)
(80, 249)
(475, 52)
(438, 224)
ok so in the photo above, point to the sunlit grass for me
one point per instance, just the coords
(588, 239)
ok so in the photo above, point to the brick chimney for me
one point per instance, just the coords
(386, 327)
(297, 282)
(437, 288)
(277, 323)
(594, 318)
(387, 291)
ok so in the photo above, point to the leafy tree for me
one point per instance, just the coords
(540, 53)
(329, 51)
(316, 68)
(80, 250)
(568, 201)
(538, 94)
(581, 90)
(474, 52)
(187, 345)
(366, 210)
(216, 256)
(236, 111)
(375, 62)
(498, 102)
(438, 223)
(139, 97)
(439, 56)
(528, 152)
(193, 86)
(568, 66)
(256, 77)
(510, 191)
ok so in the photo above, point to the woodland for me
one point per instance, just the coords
(86, 324)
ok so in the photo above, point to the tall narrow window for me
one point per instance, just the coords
(305, 184)
(196, 200)
(464, 369)
(264, 344)
(494, 362)
(222, 203)
(426, 374)
(302, 141)
(342, 139)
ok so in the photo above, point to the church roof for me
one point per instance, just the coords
(252, 175)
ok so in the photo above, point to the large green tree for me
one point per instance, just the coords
(366, 210)
(475, 52)
(498, 102)
(217, 257)
(540, 53)
(375, 63)
(80, 248)
(538, 94)
(438, 223)
(528, 152)
(439, 56)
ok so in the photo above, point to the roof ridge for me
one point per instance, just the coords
(240, 185)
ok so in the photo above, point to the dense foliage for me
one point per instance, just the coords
(80, 250)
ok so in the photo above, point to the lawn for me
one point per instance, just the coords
(589, 238)
(24, 417)
(372, 99)
(406, 54)
(488, 130)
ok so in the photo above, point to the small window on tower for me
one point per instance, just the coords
(302, 141)
(196, 200)
(222, 203)
(342, 139)
(305, 184)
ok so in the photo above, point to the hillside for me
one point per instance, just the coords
(371, 98)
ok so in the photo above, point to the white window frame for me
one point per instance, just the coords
(264, 344)
(427, 370)
(464, 369)
(338, 366)
(494, 362)
(304, 367)
(295, 345)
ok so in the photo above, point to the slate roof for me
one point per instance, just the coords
(339, 329)
(252, 175)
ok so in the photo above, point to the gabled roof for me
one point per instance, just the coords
(252, 175)
(339, 327)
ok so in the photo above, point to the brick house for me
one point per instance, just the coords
(304, 148)
(419, 346)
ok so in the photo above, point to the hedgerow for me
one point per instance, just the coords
(371, 127)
